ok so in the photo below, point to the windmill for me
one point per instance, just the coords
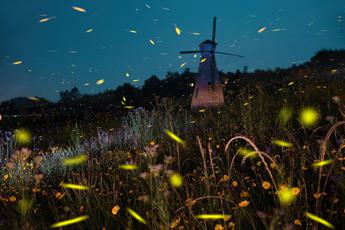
(208, 89)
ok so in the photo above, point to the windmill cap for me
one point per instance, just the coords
(208, 41)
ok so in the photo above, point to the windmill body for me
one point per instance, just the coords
(208, 88)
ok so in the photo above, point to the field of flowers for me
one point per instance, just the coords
(265, 160)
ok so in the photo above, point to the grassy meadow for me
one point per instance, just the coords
(270, 158)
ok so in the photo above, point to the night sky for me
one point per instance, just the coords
(73, 48)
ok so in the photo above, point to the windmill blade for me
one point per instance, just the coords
(236, 55)
(214, 29)
(190, 52)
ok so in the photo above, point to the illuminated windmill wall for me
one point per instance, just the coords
(208, 89)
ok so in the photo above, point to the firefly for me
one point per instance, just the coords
(174, 136)
(309, 117)
(76, 8)
(75, 186)
(68, 222)
(176, 180)
(100, 82)
(136, 215)
(320, 220)
(212, 216)
(128, 167)
(282, 143)
(262, 29)
(75, 160)
(322, 163)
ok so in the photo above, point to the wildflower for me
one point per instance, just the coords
(5, 176)
(144, 198)
(243, 204)
(168, 159)
(190, 202)
(151, 150)
(232, 225)
(244, 194)
(318, 195)
(38, 177)
(115, 209)
(144, 175)
(336, 99)
(10, 165)
(35, 190)
(297, 222)
(38, 160)
(175, 223)
(234, 184)
(295, 191)
(155, 169)
(59, 195)
(225, 178)
(218, 227)
(266, 185)
(12, 198)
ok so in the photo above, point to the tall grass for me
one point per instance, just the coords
(218, 178)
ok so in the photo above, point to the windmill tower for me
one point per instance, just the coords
(208, 88)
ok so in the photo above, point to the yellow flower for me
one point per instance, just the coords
(115, 209)
(175, 223)
(266, 185)
(244, 194)
(36, 189)
(243, 204)
(218, 227)
(5, 176)
(225, 178)
(234, 183)
(295, 191)
(318, 195)
(59, 195)
(12, 198)
(297, 222)
(232, 225)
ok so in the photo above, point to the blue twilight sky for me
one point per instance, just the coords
(59, 54)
